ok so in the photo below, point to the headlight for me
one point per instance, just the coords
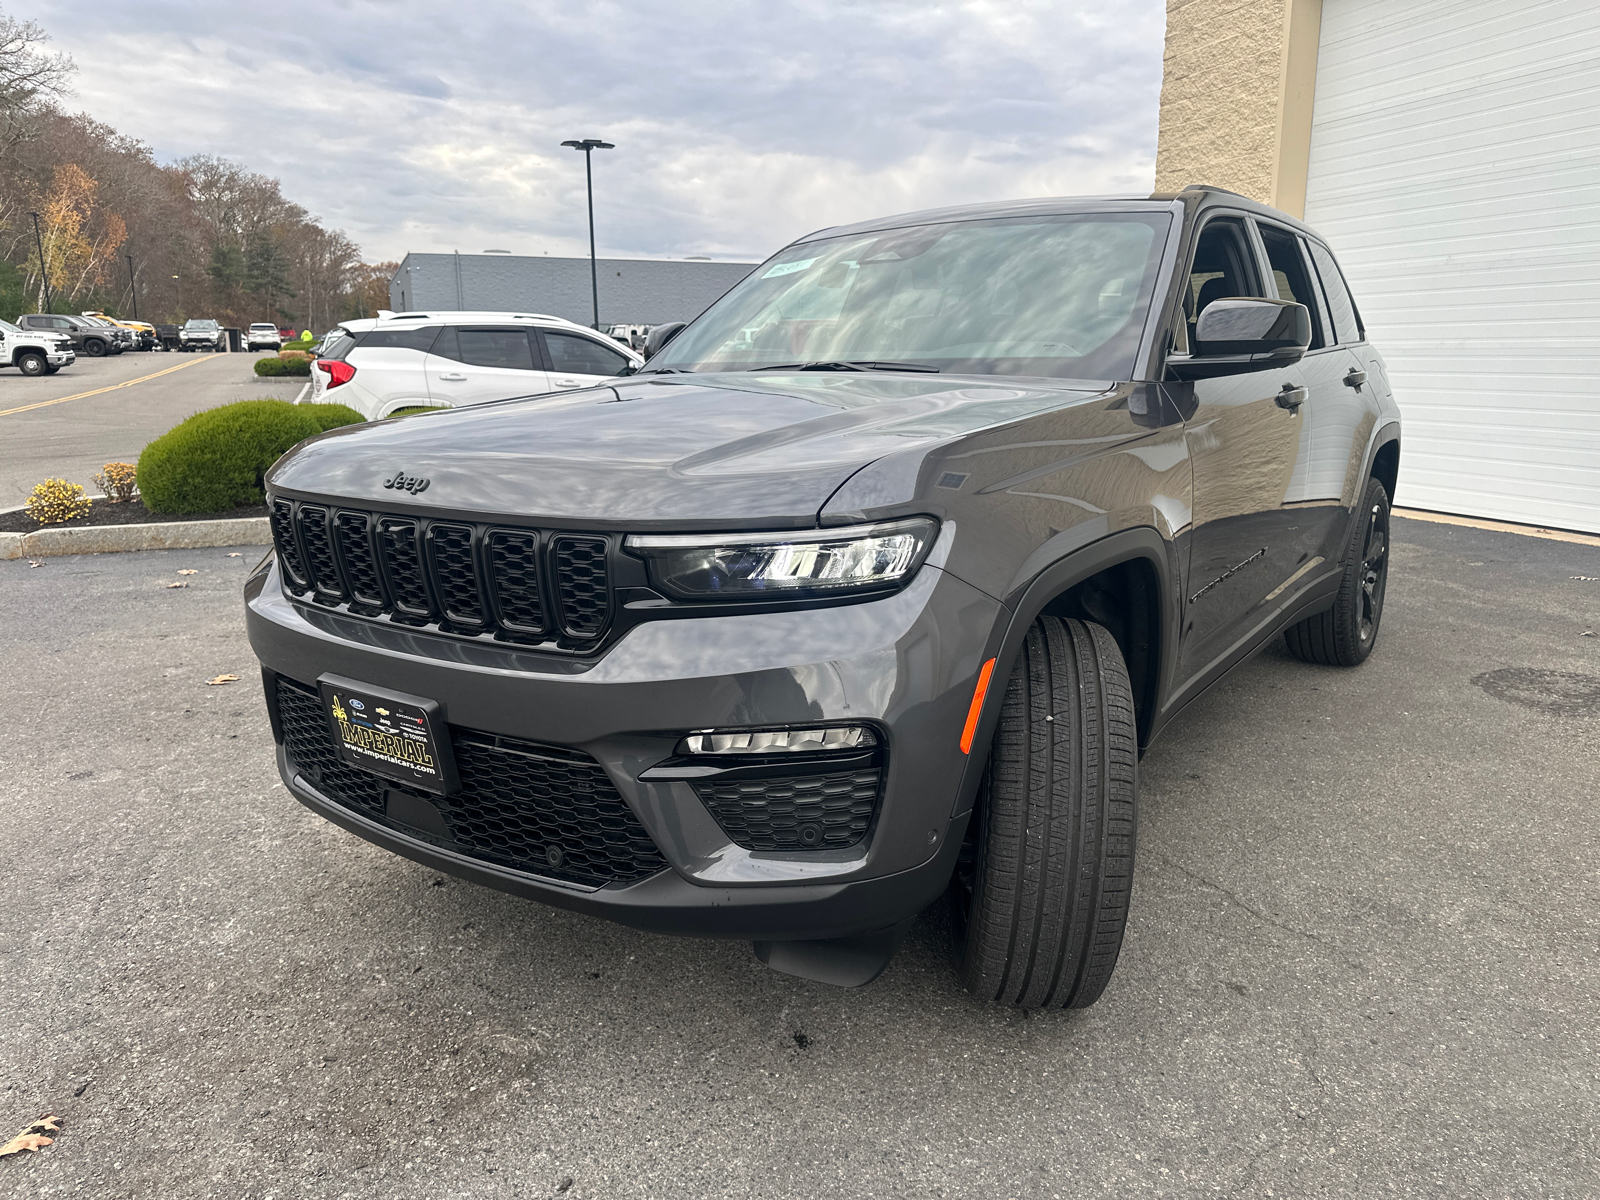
(804, 563)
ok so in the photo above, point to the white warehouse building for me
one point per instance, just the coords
(1450, 153)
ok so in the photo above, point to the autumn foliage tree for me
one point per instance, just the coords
(206, 236)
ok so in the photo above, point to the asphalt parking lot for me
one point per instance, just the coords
(50, 428)
(1362, 959)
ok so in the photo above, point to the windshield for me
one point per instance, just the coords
(264, 325)
(1055, 296)
(8, 327)
(200, 324)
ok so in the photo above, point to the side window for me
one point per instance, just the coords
(1346, 322)
(582, 356)
(1223, 267)
(504, 348)
(1290, 273)
(400, 339)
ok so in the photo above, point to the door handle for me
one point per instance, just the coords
(455, 378)
(569, 383)
(1354, 378)
(1291, 397)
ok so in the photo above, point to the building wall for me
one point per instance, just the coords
(1238, 81)
(632, 291)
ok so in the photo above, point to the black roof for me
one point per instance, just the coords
(1193, 197)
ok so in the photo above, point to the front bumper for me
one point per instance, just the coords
(906, 663)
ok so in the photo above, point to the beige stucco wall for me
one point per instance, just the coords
(1238, 80)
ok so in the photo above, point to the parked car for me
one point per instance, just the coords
(287, 335)
(457, 359)
(142, 335)
(263, 336)
(167, 337)
(34, 352)
(125, 338)
(787, 636)
(88, 336)
(202, 333)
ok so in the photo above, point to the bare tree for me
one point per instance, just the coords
(28, 79)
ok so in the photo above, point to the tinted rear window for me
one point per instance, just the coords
(400, 339)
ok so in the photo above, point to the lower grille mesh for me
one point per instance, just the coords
(797, 812)
(546, 810)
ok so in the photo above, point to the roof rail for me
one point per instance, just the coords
(1211, 187)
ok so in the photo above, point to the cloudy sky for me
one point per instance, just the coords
(738, 126)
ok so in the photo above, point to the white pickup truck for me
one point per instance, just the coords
(35, 351)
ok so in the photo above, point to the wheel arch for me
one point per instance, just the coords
(1385, 465)
(1126, 581)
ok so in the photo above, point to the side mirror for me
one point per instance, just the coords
(661, 335)
(1245, 334)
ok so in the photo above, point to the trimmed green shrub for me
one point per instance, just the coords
(332, 416)
(216, 460)
(269, 367)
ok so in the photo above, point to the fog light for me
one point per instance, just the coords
(778, 741)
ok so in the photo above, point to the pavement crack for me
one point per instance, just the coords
(1266, 919)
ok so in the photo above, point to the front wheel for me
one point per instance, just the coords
(1345, 635)
(31, 363)
(1041, 894)
(94, 348)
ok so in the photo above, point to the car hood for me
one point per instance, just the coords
(709, 451)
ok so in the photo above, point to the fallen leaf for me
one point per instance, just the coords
(188, 571)
(221, 679)
(1588, 578)
(32, 1137)
(1589, 633)
(180, 583)
(234, 554)
(36, 562)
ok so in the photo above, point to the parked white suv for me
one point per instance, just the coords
(454, 359)
(263, 335)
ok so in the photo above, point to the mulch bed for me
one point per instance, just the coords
(130, 512)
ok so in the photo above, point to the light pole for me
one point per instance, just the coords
(133, 288)
(589, 146)
(44, 272)
(180, 296)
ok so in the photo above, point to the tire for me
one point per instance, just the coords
(94, 348)
(1041, 898)
(51, 370)
(1345, 635)
(31, 362)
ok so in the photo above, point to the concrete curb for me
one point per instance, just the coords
(111, 539)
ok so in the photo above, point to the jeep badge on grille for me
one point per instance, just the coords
(401, 482)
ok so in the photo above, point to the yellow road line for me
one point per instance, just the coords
(1538, 531)
(98, 391)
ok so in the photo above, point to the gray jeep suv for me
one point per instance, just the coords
(871, 587)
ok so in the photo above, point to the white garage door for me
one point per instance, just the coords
(1455, 169)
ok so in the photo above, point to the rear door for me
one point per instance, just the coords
(473, 364)
(579, 361)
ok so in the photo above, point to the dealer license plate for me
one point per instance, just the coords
(389, 733)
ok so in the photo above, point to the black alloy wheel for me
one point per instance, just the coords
(94, 348)
(1041, 890)
(1344, 635)
(31, 362)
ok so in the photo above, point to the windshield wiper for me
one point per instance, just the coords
(853, 365)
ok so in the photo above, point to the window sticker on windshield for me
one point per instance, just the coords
(788, 268)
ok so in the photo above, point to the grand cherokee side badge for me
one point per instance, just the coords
(407, 483)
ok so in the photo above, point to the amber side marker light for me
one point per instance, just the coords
(978, 694)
